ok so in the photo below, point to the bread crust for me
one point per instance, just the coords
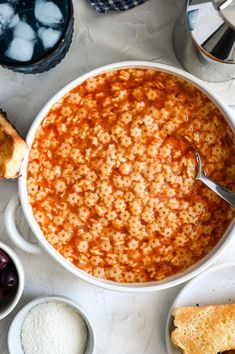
(14, 148)
(204, 329)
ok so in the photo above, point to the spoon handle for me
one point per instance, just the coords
(217, 188)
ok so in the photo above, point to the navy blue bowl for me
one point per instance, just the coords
(52, 57)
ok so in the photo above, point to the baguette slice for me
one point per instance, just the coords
(204, 329)
(12, 149)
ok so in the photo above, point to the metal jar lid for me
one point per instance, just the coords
(226, 9)
(212, 26)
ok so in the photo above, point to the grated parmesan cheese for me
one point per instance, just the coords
(54, 328)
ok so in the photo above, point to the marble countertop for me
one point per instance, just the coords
(124, 323)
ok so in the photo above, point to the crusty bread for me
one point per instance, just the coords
(204, 329)
(12, 149)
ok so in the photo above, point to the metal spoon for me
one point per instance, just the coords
(217, 188)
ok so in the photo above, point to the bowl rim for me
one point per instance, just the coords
(126, 287)
(14, 334)
(21, 279)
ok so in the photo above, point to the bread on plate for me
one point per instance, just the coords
(12, 148)
(204, 329)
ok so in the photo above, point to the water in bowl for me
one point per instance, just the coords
(29, 29)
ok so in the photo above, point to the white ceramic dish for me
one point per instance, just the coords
(23, 200)
(14, 334)
(20, 271)
(213, 287)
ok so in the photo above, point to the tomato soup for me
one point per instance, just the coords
(111, 182)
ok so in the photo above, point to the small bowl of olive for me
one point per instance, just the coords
(11, 280)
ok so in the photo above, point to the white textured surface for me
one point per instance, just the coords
(124, 323)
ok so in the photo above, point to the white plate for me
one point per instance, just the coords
(214, 286)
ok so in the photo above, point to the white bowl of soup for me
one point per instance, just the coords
(108, 187)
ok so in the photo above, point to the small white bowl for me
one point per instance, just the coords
(20, 271)
(14, 334)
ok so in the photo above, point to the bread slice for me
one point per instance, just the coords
(204, 329)
(12, 149)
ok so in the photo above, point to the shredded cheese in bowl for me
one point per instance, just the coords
(54, 328)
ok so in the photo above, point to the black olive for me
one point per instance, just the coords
(4, 259)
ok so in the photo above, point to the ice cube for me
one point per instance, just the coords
(14, 21)
(24, 30)
(6, 13)
(20, 49)
(49, 36)
(47, 13)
